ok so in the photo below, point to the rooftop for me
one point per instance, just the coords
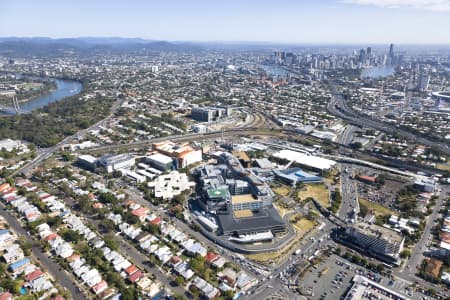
(380, 231)
(236, 199)
(246, 213)
(214, 193)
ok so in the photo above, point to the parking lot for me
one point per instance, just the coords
(328, 279)
(331, 279)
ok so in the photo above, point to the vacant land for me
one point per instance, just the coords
(375, 208)
(302, 225)
(281, 210)
(317, 191)
(444, 167)
(281, 190)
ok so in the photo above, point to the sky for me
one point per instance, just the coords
(279, 21)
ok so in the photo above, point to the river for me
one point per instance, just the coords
(276, 71)
(377, 72)
(64, 88)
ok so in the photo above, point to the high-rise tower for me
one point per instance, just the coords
(391, 54)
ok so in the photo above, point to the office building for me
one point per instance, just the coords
(294, 175)
(112, 163)
(381, 242)
(183, 154)
(240, 201)
(160, 161)
(424, 81)
(87, 162)
(210, 114)
(246, 202)
(364, 288)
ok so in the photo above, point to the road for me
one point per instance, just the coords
(281, 278)
(350, 116)
(136, 196)
(420, 247)
(60, 275)
(45, 153)
(127, 249)
(345, 138)
(349, 193)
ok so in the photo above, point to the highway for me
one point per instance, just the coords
(45, 153)
(273, 280)
(345, 138)
(344, 112)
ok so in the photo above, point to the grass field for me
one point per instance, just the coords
(281, 210)
(303, 226)
(281, 190)
(378, 209)
(317, 191)
(444, 167)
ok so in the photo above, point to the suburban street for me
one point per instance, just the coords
(59, 274)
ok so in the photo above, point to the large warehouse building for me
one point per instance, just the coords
(311, 162)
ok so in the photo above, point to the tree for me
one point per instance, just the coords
(180, 280)
(356, 259)
(380, 268)
(198, 264)
(228, 295)
(113, 278)
(130, 218)
(356, 145)
(70, 235)
(108, 225)
(2, 270)
(111, 242)
(66, 156)
(26, 247)
(129, 294)
(405, 253)
(10, 285)
(381, 179)
(107, 198)
(153, 229)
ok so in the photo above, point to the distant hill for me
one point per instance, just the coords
(48, 47)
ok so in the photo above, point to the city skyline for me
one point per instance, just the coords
(313, 22)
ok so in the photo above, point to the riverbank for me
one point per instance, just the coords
(50, 118)
(63, 89)
(48, 89)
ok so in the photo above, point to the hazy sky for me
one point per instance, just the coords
(295, 21)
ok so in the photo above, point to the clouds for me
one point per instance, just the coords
(431, 5)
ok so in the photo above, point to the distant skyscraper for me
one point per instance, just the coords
(391, 54)
(424, 80)
(369, 56)
(362, 56)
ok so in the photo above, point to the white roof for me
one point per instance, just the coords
(307, 160)
(89, 158)
(161, 158)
